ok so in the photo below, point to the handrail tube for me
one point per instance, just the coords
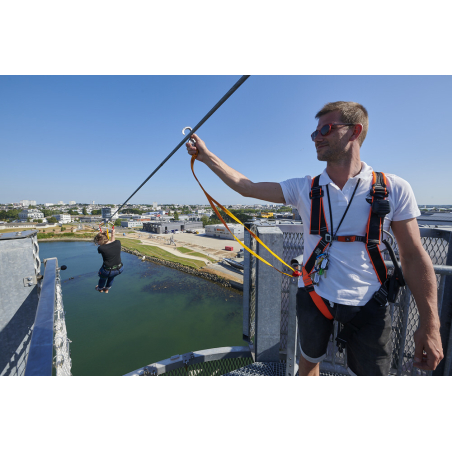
(200, 356)
(40, 355)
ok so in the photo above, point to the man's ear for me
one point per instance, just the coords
(358, 128)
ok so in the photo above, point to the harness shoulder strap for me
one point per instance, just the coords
(378, 211)
(318, 226)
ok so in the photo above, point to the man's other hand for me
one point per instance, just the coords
(428, 348)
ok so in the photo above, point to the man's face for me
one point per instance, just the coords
(335, 146)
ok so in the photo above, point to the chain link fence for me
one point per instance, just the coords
(210, 368)
(404, 312)
(62, 358)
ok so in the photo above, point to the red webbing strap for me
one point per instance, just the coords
(374, 228)
(316, 298)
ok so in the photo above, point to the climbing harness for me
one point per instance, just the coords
(212, 202)
(390, 286)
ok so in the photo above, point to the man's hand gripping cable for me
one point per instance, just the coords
(212, 202)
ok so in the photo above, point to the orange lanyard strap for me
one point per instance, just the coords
(212, 201)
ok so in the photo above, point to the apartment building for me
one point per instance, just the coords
(106, 213)
(63, 218)
(30, 214)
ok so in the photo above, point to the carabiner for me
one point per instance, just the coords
(191, 140)
(390, 235)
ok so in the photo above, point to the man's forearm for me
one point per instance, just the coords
(267, 191)
(420, 278)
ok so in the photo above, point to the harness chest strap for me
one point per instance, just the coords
(318, 226)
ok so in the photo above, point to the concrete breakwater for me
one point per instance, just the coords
(192, 271)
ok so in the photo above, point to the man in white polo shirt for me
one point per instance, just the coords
(351, 279)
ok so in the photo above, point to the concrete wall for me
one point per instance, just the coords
(19, 259)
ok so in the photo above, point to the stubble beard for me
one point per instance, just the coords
(332, 154)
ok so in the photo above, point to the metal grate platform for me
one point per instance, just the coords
(260, 369)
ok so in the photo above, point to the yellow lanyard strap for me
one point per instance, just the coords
(100, 229)
(212, 201)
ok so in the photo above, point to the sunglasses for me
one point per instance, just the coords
(326, 130)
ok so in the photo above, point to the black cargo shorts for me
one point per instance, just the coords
(368, 351)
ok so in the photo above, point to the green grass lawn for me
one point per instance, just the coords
(194, 253)
(183, 249)
(32, 228)
(155, 251)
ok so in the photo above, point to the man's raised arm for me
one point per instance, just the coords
(267, 191)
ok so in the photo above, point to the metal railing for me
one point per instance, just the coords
(211, 362)
(49, 329)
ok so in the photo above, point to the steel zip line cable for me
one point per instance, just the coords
(187, 137)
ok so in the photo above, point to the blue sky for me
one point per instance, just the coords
(87, 138)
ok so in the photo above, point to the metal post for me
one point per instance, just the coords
(292, 328)
(445, 318)
(268, 296)
(246, 288)
(40, 356)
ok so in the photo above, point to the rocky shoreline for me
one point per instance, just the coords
(192, 271)
(202, 273)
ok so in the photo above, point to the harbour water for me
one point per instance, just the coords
(151, 313)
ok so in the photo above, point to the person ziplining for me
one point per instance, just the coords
(110, 249)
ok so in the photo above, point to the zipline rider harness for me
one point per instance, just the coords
(318, 260)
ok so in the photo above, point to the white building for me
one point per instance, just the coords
(48, 204)
(131, 224)
(63, 218)
(61, 203)
(31, 214)
(26, 203)
(220, 231)
(71, 203)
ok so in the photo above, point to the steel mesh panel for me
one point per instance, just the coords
(437, 249)
(292, 247)
(210, 368)
(253, 263)
(260, 369)
(404, 312)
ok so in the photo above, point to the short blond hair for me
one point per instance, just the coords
(351, 113)
(101, 238)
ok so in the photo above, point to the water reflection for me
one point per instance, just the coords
(151, 313)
